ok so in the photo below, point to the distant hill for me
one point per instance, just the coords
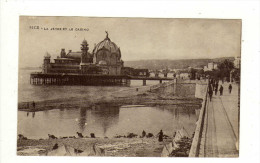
(173, 64)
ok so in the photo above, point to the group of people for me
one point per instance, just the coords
(160, 135)
(213, 86)
(28, 105)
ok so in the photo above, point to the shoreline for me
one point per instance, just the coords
(124, 97)
(130, 147)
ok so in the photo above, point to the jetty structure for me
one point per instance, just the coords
(102, 66)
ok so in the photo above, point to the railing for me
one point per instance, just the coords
(195, 147)
(161, 85)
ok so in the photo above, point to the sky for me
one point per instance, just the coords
(138, 38)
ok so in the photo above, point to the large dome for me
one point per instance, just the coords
(107, 44)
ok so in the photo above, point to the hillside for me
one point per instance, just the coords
(173, 64)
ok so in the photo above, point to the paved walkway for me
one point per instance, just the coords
(221, 126)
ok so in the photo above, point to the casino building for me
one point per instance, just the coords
(104, 59)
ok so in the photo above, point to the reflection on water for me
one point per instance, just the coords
(106, 117)
(104, 120)
(33, 114)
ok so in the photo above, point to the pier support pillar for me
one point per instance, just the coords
(160, 81)
(144, 82)
(174, 86)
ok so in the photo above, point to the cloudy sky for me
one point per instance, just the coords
(138, 38)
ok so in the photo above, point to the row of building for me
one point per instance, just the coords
(105, 58)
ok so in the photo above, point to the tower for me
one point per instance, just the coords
(85, 56)
(46, 63)
(62, 53)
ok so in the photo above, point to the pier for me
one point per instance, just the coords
(87, 79)
(77, 79)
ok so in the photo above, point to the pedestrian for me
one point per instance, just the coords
(143, 134)
(213, 85)
(160, 139)
(210, 92)
(216, 88)
(33, 105)
(211, 81)
(216, 91)
(216, 85)
(230, 88)
(221, 90)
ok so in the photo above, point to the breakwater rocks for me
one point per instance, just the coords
(130, 147)
(184, 145)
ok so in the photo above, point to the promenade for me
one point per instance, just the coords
(220, 135)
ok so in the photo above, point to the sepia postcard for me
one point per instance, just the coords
(128, 87)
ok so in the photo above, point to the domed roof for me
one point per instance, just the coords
(107, 44)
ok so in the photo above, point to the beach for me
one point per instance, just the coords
(130, 147)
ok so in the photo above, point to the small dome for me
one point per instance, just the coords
(84, 42)
(107, 44)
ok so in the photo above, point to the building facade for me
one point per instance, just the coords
(211, 66)
(237, 62)
(104, 59)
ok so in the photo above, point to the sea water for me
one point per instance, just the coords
(103, 120)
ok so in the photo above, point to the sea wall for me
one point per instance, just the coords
(181, 88)
(201, 89)
(185, 89)
(165, 88)
(195, 147)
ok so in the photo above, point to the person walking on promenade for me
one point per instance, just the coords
(221, 90)
(211, 81)
(216, 85)
(230, 88)
(216, 90)
(210, 92)
(213, 85)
